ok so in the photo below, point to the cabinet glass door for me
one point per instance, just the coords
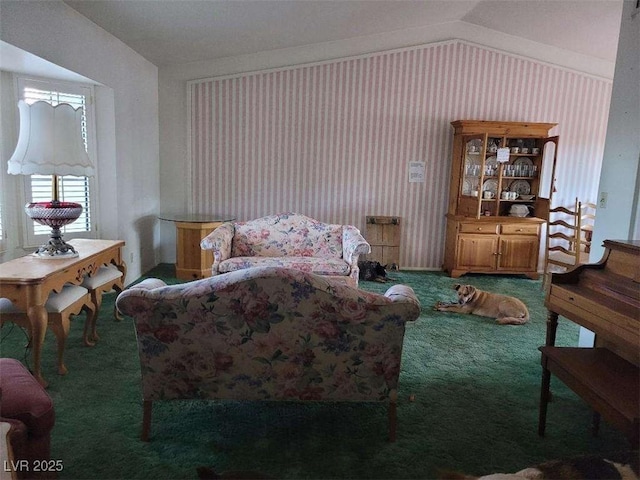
(473, 152)
(490, 182)
(549, 152)
(519, 177)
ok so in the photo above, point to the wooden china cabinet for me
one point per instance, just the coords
(501, 184)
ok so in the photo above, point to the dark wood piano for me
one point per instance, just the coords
(605, 298)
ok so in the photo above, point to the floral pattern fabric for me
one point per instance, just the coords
(321, 248)
(268, 334)
(317, 265)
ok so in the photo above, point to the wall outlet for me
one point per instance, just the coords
(602, 200)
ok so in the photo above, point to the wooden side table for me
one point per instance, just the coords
(383, 234)
(193, 263)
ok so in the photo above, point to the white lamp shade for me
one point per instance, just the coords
(50, 141)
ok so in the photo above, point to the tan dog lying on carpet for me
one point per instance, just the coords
(506, 310)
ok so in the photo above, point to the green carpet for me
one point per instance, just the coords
(476, 387)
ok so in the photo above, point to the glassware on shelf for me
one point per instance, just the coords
(490, 170)
(471, 170)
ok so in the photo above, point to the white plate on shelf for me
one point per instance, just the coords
(491, 186)
(491, 161)
(523, 161)
(522, 187)
(466, 187)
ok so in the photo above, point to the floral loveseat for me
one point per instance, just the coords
(289, 240)
(268, 333)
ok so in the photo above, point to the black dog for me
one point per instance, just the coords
(372, 271)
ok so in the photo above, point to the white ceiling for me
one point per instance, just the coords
(168, 32)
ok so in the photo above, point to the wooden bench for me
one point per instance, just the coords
(606, 381)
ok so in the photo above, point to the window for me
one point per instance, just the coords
(71, 189)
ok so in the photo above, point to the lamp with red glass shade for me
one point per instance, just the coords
(50, 143)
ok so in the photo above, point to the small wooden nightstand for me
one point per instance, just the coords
(193, 263)
(383, 234)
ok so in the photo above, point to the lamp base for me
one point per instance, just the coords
(56, 248)
(54, 214)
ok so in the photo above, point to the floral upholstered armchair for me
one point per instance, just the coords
(268, 333)
(289, 240)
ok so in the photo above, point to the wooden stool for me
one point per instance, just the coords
(71, 300)
(103, 281)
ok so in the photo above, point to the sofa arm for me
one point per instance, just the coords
(148, 284)
(136, 299)
(353, 245)
(220, 242)
(402, 294)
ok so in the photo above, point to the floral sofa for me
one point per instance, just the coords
(289, 240)
(268, 333)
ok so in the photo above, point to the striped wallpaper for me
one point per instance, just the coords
(334, 140)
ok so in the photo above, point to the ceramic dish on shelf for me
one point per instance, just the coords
(523, 161)
(527, 197)
(474, 146)
(466, 187)
(490, 186)
(521, 187)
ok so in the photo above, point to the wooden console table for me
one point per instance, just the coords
(193, 263)
(27, 281)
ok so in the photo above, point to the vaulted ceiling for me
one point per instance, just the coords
(169, 32)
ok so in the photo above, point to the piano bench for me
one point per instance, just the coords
(606, 381)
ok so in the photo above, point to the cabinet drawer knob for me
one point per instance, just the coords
(519, 230)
